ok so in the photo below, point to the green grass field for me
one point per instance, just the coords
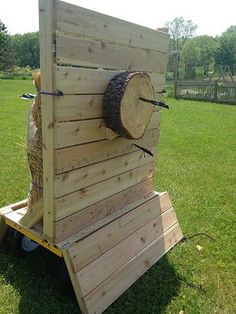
(196, 164)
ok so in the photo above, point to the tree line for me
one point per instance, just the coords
(189, 55)
(18, 50)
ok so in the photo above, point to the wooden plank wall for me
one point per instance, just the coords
(87, 170)
(104, 214)
(105, 263)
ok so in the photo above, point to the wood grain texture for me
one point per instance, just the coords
(71, 203)
(110, 289)
(85, 131)
(93, 246)
(73, 224)
(81, 107)
(72, 50)
(46, 33)
(75, 283)
(83, 22)
(72, 80)
(81, 178)
(83, 155)
(103, 267)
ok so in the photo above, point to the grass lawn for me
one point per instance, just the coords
(196, 164)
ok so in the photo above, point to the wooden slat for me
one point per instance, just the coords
(71, 203)
(80, 21)
(93, 246)
(90, 153)
(75, 283)
(80, 178)
(82, 107)
(47, 29)
(68, 226)
(85, 131)
(73, 50)
(71, 80)
(109, 290)
(100, 269)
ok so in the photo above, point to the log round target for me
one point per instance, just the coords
(124, 112)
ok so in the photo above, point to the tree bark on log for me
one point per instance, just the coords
(124, 112)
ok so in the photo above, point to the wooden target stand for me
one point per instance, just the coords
(99, 210)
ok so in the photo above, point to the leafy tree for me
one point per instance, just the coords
(26, 49)
(5, 48)
(190, 58)
(226, 53)
(180, 30)
(208, 47)
(231, 29)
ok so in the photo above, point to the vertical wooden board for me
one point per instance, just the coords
(46, 32)
(68, 226)
(73, 80)
(109, 290)
(79, 156)
(103, 267)
(73, 50)
(81, 21)
(81, 178)
(71, 203)
(104, 239)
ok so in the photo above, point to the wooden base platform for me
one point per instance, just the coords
(105, 259)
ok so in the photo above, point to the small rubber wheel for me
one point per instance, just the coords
(28, 245)
(18, 243)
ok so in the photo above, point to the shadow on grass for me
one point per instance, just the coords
(151, 293)
(34, 278)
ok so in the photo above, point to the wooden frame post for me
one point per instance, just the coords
(47, 51)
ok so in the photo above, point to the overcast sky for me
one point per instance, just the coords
(212, 17)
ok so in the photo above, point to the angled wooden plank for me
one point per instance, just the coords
(80, 21)
(109, 290)
(101, 268)
(72, 80)
(96, 244)
(80, 178)
(46, 38)
(83, 155)
(71, 203)
(68, 226)
(72, 50)
(85, 131)
(75, 283)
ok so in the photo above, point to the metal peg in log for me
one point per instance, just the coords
(124, 112)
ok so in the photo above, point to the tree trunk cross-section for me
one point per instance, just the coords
(124, 112)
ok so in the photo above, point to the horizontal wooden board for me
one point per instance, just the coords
(101, 268)
(81, 107)
(72, 80)
(71, 203)
(72, 50)
(83, 155)
(80, 178)
(96, 244)
(84, 22)
(68, 226)
(110, 289)
(85, 131)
